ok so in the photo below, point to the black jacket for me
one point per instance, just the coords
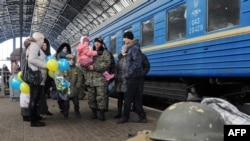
(145, 64)
(134, 60)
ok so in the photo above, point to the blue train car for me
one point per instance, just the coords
(195, 47)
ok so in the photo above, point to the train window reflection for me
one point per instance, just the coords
(113, 44)
(147, 34)
(222, 14)
(176, 28)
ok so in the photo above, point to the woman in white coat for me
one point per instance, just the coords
(36, 57)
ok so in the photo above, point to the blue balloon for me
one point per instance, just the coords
(50, 57)
(65, 84)
(15, 83)
(63, 64)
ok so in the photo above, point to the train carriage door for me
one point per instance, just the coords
(196, 17)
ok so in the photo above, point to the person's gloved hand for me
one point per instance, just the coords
(99, 52)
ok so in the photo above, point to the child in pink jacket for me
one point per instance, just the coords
(86, 54)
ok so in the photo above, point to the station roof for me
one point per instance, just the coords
(59, 20)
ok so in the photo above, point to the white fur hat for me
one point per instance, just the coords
(84, 39)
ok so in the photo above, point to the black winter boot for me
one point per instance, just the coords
(94, 113)
(37, 124)
(132, 108)
(102, 115)
(26, 118)
(119, 109)
(118, 115)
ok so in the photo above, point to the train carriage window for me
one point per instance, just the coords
(176, 28)
(222, 14)
(113, 44)
(147, 34)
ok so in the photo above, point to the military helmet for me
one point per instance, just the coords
(189, 121)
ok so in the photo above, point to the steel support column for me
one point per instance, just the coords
(21, 27)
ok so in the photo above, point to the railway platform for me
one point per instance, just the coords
(13, 128)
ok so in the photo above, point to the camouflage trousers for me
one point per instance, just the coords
(96, 97)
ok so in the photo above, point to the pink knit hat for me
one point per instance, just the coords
(84, 39)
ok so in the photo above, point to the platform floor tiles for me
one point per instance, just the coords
(13, 128)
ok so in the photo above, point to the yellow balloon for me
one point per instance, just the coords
(51, 74)
(24, 87)
(19, 75)
(52, 65)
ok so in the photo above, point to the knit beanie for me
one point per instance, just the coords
(128, 35)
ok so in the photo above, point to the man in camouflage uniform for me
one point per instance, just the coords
(95, 81)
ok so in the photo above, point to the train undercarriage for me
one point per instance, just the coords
(234, 90)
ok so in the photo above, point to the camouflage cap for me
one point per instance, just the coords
(70, 56)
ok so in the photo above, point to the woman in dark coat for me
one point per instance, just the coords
(49, 81)
(43, 106)
(120, 80)
(63, 50)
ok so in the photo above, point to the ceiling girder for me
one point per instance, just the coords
(59, 20)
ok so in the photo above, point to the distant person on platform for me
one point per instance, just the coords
(6, 75)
